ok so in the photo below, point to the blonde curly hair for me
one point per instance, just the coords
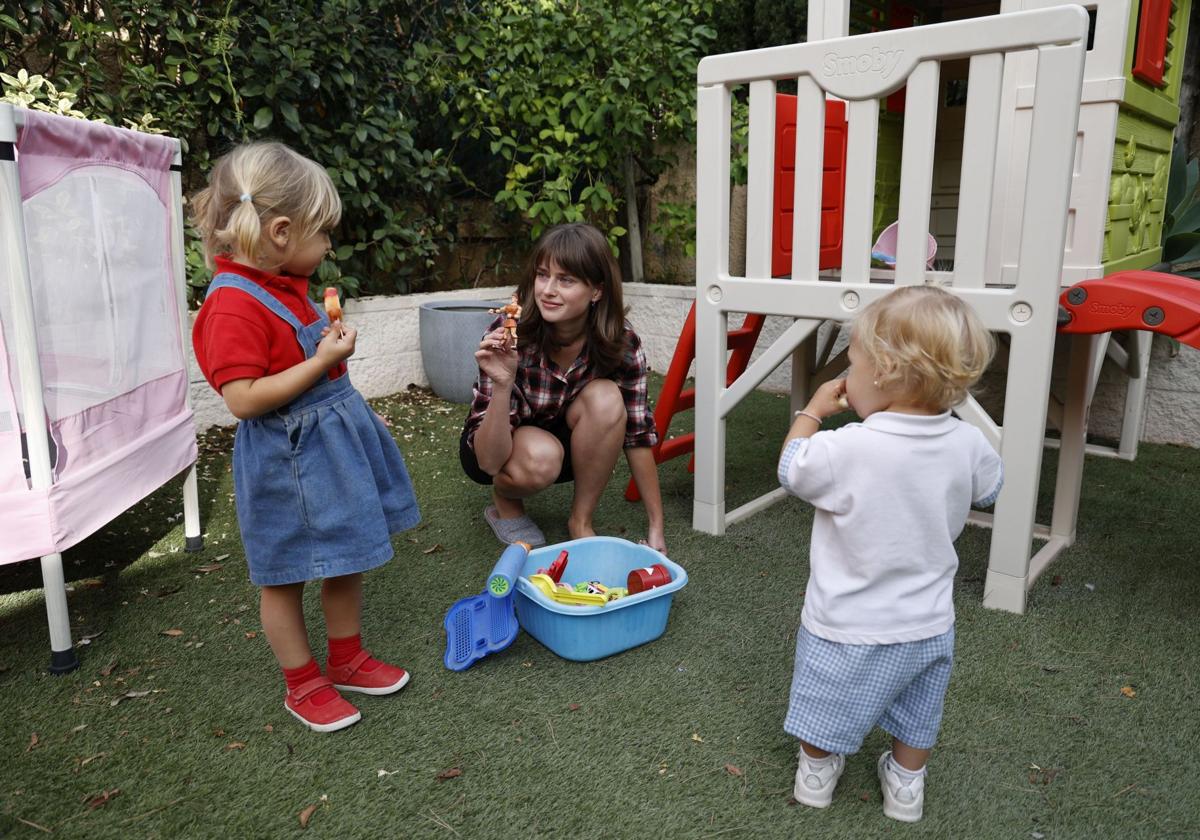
(255, 183)
(926, 343)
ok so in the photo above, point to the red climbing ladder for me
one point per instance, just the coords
(674, 398)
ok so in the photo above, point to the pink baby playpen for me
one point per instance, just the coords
(94, 411)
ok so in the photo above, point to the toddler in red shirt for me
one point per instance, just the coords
(320, 484)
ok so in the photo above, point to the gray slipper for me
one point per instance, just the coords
(518, 529)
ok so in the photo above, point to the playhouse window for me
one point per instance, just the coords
(1150, 54)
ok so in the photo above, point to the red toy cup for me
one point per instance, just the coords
(642, 579)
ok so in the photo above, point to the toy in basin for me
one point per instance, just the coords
(584, 633)
(481, 624)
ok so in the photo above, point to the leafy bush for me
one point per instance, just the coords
(1181, 227)
(562, 93)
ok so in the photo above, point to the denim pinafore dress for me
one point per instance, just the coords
(320, 485)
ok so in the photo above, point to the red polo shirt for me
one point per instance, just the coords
(236, 337)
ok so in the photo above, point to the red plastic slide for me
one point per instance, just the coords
(1135, 300)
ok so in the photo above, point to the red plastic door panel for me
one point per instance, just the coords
(833, 188)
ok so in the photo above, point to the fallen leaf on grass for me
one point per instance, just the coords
(268, 728)
(221, 557)
(32, 824)
(87, 640)
(1128, 691)
(250, 634)
(130, 695)
(167, 590)
(108, 669)
(1041, 775)
(733, 770)
(696, 737)
(236, 745)
(173, 632)
(452, 773)
(573, 707)
(79, 728)
(383, 773)
(308, 812)
(209, 567)
(101, 799)
(33, 742)
(80, 763)
(433, 548)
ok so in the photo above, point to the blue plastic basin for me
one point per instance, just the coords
(587, 633)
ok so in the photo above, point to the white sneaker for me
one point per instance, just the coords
(902, 800)
(815, 783)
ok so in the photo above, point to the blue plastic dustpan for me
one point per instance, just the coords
(481, 624)
(476, 626)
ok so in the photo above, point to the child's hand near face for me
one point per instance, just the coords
(337, 344)
(829, 399)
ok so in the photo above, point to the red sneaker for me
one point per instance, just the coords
(367, 675)
(329, 716)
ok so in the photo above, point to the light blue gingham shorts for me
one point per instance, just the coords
(841, 692)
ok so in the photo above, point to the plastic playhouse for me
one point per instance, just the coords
(1031, 138)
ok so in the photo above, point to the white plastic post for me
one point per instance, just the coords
(712, 322)
(25, 350)
(1034, 315)
(192, 539)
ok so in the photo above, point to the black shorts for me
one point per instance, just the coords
(558, 428)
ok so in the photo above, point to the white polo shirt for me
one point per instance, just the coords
(891, 495)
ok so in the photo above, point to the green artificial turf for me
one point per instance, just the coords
(185, 735)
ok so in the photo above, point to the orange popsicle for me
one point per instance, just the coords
(333, 306)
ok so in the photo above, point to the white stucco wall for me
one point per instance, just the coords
(387, 354)
(388, 360)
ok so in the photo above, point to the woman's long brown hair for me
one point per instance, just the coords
(583, 252)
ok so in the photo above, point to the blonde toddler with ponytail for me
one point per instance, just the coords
(319, 482)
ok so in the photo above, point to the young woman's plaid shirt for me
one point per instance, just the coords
(542, 391)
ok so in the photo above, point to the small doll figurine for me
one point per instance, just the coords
(512, 313)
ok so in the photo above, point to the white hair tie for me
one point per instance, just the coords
(245, 197)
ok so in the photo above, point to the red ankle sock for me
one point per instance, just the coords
(342, 651)
(296, 677)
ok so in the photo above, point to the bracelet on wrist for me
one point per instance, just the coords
(808, 414)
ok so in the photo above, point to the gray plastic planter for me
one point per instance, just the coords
(450, 332)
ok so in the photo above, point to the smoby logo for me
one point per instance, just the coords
(878, 61)
(1121, 310)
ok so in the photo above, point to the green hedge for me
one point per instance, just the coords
(538, 105)
(332, 79)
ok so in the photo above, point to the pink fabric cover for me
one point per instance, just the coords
(50, 146)
(46, 521)
(87, 437)
(114, 453)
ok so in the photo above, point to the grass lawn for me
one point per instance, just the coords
(1076, 720)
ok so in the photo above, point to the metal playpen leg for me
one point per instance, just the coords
(63, 658)
(193, 541)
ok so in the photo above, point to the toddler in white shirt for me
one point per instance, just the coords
(891, 493)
